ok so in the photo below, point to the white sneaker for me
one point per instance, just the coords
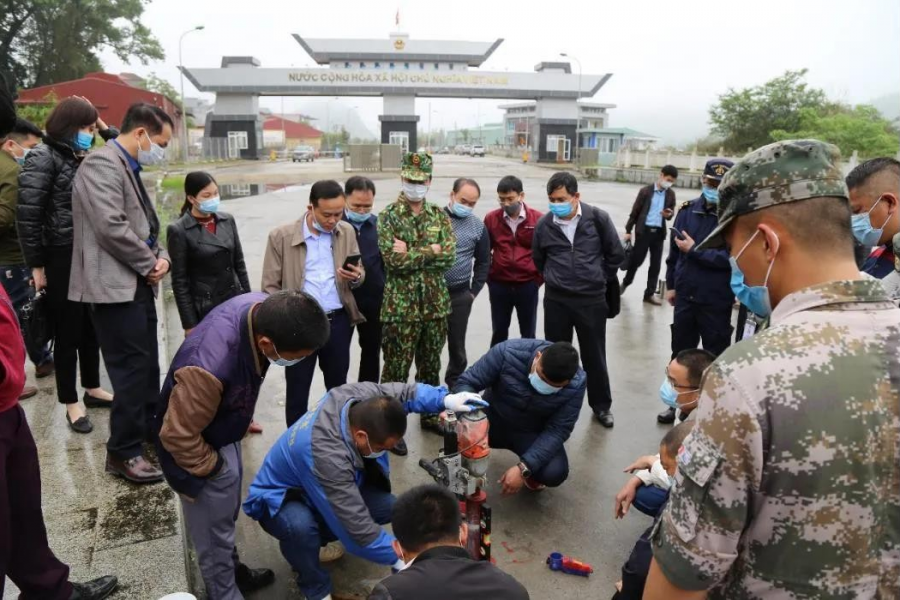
(331, 552)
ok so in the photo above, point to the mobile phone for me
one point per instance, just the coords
(677, 233)
(353, 259)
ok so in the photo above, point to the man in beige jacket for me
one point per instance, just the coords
(318, 254)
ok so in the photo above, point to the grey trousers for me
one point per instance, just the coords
(457, 324)
(210, 521)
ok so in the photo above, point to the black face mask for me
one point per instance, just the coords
(511, 209)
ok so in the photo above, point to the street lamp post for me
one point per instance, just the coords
(184, 143)
(577, 107)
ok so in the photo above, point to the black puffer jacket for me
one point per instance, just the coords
(44, 211)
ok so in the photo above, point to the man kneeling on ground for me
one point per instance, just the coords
(431, 540)
(327, 477)
(535, 390)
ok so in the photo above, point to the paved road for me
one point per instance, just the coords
(576, 518)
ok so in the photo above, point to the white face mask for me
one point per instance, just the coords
(664, 185)
(414, 192)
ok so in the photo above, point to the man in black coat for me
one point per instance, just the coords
(654, 205)
(430, 540)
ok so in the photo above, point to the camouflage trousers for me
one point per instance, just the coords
(422, 340)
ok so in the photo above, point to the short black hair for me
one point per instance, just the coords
(510, 183)
(696, 361)
(563, 179)
(326, 189)
(463, 181)
(21, 130)
(152, 118)
(293, 320)
(381, 417)
(670, 171)
(359, 183)
(424, 516)
(559, 362)
(866, 170)
(675, 437)
(811, 221)
(67, 117)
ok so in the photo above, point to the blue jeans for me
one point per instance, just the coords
(650, 499)
(301, 531)
(16, 280)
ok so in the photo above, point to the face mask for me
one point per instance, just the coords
(414, 192)
(356, 217)
(711, 194)
(460, 210)
(283, 362)
(512, 209)
(669, 396)
(561, 209)
(155, 155)
(210, 205)
(21, 159)
(660, 473)
(664, 185)
(755, 298)
(541, 386)
(318, 226)
(863, 230)
(372, 454)
(84, 141)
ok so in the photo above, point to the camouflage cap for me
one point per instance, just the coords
(775, 174)
(416, 166)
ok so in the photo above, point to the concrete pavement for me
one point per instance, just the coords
(575, 519)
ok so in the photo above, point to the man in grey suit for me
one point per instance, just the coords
(117, 264)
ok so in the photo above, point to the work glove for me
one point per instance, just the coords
(464, 402)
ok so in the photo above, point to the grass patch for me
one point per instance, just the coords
(173, 182)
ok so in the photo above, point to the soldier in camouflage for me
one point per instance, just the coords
(417, 242)
(789, 485)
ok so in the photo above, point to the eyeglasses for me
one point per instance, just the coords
(677, 385)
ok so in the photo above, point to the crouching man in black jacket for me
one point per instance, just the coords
(430, 539)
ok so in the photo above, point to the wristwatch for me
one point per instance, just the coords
(526, 472)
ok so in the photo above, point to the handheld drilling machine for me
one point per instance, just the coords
(461, 467)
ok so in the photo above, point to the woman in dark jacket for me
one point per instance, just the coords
(44, 222)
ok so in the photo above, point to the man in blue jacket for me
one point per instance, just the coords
(535, 390)
(327, 477)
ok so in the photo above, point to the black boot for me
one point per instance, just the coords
(666, 417)
(249, 580)
(400, 448)
(95, 589)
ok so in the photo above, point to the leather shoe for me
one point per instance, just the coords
(136, 470)
(623, 287)
(652, 300)
(91, 402)
(666, 417)
(29, 391)
(400, 448)
(95, 589)
(249, 580)
(45, 370)
(606, 419)
(81, 424)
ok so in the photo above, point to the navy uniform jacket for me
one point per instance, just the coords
(370, 293)
(703, 276)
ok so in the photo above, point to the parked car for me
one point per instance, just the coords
(303, 154)
(477, 150)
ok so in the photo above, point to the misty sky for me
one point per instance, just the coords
(669, 60)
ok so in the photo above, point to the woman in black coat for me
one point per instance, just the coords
(44, 224)
(207, 259)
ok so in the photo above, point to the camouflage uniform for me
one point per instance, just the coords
(416, 303)
(789, 485)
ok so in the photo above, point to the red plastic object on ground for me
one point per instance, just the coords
(557, 562)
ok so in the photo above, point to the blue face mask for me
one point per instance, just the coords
(711, 194)
(863, 230)
(372, 454)
(669, 395)
(755, 298)
(561, 209)
(283, 362)
(460, 210)
(210, 205)
(541, 386)
(355, 217)
(84, 141)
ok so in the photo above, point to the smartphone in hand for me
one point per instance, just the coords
(353, 259)
(676, 233)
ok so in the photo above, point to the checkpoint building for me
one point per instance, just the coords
(398, 69)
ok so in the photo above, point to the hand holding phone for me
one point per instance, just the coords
(353, 259)
(676, 233)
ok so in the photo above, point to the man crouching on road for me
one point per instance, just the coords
(327, 477)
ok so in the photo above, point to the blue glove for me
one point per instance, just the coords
(464, 402)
